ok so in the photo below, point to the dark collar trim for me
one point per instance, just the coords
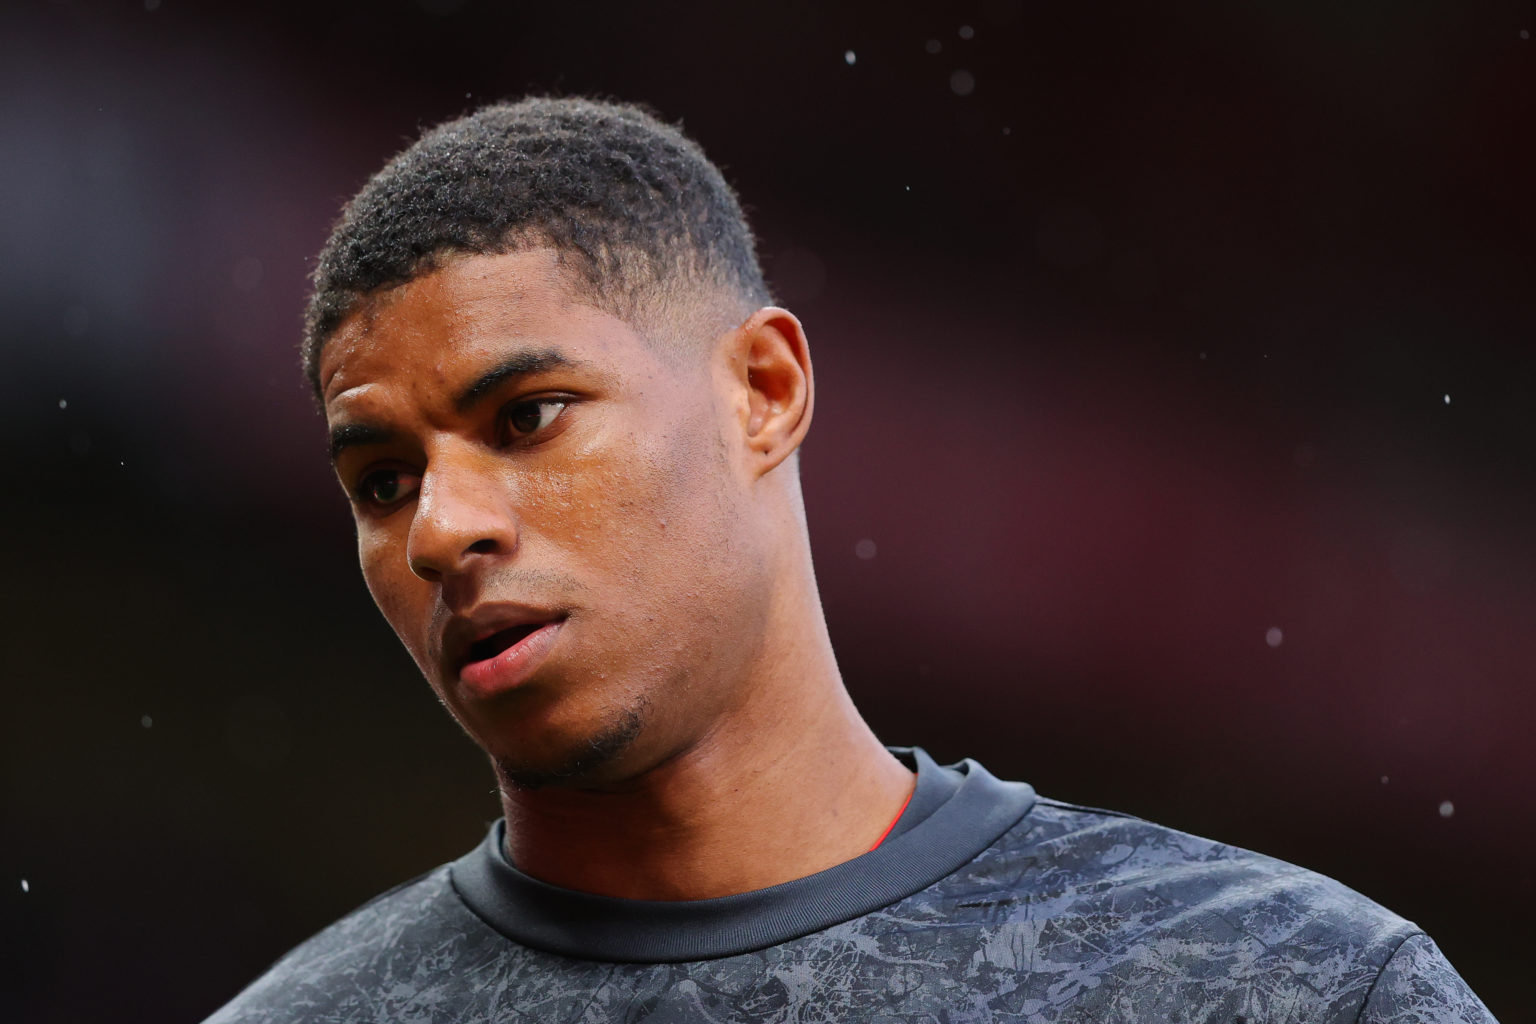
(588, 927)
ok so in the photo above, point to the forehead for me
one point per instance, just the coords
(427, 334)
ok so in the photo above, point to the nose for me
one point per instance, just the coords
(463, 516)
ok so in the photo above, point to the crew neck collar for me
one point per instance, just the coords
(966, 810)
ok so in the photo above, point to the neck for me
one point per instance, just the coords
(790, 783)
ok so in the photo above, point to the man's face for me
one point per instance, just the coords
(550, 513)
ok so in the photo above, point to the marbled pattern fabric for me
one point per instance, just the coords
(1073, 915)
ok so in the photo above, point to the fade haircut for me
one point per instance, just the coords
(641, 221)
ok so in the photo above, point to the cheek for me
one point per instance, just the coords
(658, 519)
(395, 589)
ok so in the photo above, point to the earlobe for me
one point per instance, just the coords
(774, 368)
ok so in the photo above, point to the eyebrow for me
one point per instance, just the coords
(351, 435)
(524, 364)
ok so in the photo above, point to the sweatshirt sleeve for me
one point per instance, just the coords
(1418, 985)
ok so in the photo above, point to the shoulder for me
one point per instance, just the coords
(349, 969)
(1419, 986)
(1214, 889)
(1091, 908)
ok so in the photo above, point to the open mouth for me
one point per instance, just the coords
(506, 659)
(494, 644)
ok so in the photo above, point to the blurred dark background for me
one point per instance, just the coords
(1173, 449)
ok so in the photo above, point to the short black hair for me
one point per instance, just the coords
(631, 204)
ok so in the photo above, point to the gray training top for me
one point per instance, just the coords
(985, 903)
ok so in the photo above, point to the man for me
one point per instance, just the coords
(566, 414)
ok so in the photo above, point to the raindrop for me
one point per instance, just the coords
(1273, 636)
(1007, 130)
(966, 32)
(849, 57)
(24, 886)
(1525, 33)
(1384, 780)
(146, 721)
(934, 46)
(865, 549)
(63, 403)
(962, 83)
(1447, 399)
(1447, 808)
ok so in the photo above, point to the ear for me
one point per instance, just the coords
(770, 369)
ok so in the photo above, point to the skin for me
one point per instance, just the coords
(687, 734)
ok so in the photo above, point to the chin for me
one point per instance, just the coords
(585, 762)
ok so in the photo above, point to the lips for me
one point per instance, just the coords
(498, 649)
(499, 641)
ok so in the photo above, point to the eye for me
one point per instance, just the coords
(526, 418)
(386, 487)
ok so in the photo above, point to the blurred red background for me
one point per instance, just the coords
(1172, 451)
